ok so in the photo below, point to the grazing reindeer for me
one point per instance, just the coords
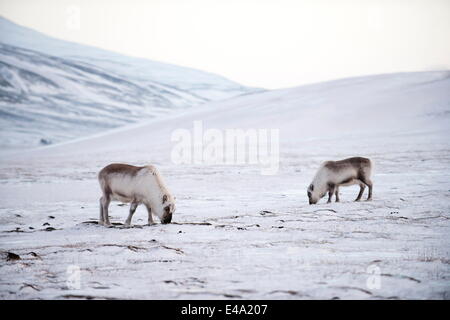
(135, 185)
(333, 174)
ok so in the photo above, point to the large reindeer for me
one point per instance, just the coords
(333, 174)
(135, 185)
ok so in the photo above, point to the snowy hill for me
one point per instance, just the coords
(56, 90)
(391, 104)
(237, 233)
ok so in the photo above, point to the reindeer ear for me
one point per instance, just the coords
(164, 198)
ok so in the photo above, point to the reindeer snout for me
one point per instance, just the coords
(167, 219)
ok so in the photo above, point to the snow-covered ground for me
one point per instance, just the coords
(237, 233)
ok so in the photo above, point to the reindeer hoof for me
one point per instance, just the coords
(369, 199)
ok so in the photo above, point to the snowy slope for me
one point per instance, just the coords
(56, 90)
(237, 233)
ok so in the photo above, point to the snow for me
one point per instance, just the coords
(237, 233)
(134, 68)
(57, 90)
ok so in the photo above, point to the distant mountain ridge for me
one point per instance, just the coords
(53, 90)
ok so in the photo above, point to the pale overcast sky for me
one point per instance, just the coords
(263, 43)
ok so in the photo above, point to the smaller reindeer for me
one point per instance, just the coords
(135, 185)
(333, 174)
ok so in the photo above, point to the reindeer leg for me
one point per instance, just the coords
(105, 200)
(133, 208)
(361, 191)
(150, 218)
(337, 194)
(369, 184)
(100, 220)
(331, 192)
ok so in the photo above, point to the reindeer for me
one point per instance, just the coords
(333, 174)
(135, 185)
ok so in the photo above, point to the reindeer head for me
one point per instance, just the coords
(315, 193)
(312, 200)
(168, 205)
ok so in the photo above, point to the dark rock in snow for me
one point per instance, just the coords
(45, 142)
(10, 256)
